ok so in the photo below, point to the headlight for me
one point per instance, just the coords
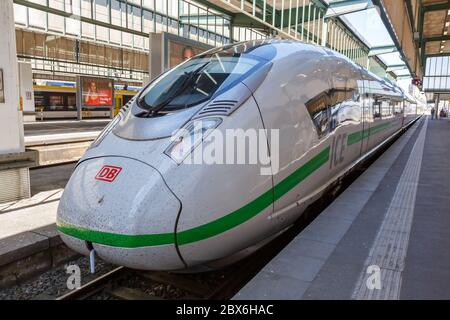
(187, 138)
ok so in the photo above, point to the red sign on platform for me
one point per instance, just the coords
(108, 173)
(97, 92)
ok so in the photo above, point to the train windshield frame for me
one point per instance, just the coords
(198, 80)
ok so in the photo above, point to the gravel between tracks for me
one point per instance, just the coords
(53, 283)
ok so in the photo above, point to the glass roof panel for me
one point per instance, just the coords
(370, 26)
(391, 59)
(367, 25)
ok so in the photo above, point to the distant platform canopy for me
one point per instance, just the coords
(437, 75)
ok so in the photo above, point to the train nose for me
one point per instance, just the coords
(125, 210)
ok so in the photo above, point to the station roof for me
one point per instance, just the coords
(368, 25)
(433, 34)
(436, 26)
(353, 13)
(402, 34)
(414, 31)
(421, 29)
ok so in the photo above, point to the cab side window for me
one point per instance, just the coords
(319, 110)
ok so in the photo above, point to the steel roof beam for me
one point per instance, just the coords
(396, 67)
(246, 18)
(348, 6)
(422, 40)
(431, 55)
(203, 19)
(375, 51)
(403, 77)
(215, 7)
(436, 7)
(437, 38)
(387, 23)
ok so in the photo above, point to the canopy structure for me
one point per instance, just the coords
(343, 25)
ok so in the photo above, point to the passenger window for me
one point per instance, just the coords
(407, 107)
(319, 110)
(344, 107)
(398, 108)
(376, 108)
(385, 108)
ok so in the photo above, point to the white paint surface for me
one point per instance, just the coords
(11, 127)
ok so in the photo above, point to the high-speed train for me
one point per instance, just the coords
(135, 198)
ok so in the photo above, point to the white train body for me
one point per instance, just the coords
(136, 206)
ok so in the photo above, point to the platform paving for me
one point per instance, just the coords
(29, 241)
(395, 216)
(40, 128)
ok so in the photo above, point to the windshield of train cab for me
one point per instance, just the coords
(197, 80)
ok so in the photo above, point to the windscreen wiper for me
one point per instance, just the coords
(154, 110)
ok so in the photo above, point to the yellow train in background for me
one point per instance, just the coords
(57, 100)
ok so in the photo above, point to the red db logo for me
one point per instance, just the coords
(108, 173)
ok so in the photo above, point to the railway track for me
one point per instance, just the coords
(93, 287)
(126, 284)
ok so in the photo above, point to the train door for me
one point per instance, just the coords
(118, 105)
(299, 114)
(403, 112)
(362, 103)
(376, 108)
(366, 112)
(397, 106)
(378, 113)
(371, 120)
(126, 99)
(346, 126)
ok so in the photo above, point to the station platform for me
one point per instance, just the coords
(385, 237)
(64, 131)
(40, 128)
(58, 142)
(29, 241)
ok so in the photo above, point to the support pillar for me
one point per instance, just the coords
(436, 107)
(324, 33)
(26, 92)
(14, 161)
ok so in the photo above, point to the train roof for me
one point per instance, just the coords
(267, 49)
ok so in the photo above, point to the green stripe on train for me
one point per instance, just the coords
(363, 134)
(207, 230)
(115, 239)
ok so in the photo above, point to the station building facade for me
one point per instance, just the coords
(64, 38)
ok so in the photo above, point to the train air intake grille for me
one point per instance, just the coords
(219, 107)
